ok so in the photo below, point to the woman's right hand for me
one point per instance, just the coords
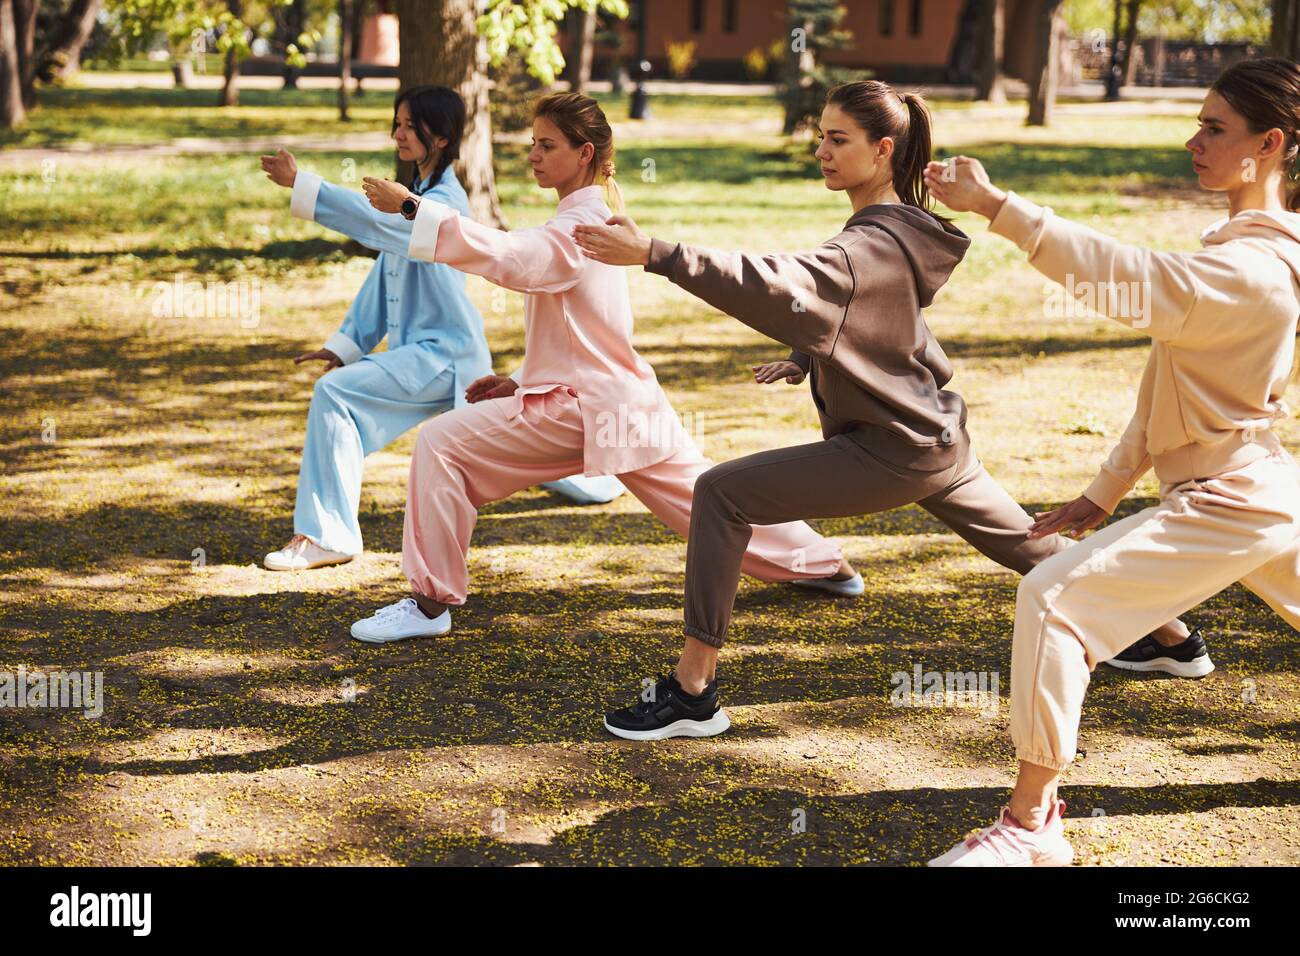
(1071, 520)
(962, 185)
(325, 355)
(490, 386)
(775, 371)
(282, 168)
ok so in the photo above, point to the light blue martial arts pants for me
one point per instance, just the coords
(358, 409)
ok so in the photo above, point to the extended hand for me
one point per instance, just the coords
(620, 242)
(384, 194)
(282, 168)
(329, 358)
(775, 371)
(1071, 520)
(490, 386)
(962, 185)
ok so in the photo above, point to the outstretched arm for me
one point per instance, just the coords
(798, 299)
(541, 259)
(335, 207)
(1152, 292)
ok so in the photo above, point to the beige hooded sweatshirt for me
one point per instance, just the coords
(1223, 324)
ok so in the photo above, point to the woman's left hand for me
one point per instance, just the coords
(620, 242)
(384, 194)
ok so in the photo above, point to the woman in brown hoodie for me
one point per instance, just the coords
(1222, 322)
(893, 434)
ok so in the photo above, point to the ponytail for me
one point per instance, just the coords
(613, 192)
(909, 182)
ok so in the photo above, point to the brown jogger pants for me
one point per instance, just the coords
(838, 478)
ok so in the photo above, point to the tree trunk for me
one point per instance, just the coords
(439, 43)
(963, 64)
(1042, 75)
(360, 10)
(345, 58)
(584, 37)
(799, 61)
(1130, 41)
(992, 41)
(12, 112)
(290, 22)
(63, 60)
(1113, 74)
(25, 37)
(1284, 38)
(230, 87)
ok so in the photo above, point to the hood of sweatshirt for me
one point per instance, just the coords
(932, 246)
(1281, 230)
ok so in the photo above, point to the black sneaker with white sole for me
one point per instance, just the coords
(670, 712)
(1191, 658)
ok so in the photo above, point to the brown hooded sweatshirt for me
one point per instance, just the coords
(854, 305)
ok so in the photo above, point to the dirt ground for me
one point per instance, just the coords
(147, 464)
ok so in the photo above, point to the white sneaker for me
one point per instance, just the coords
(396, 622)
(582, 490)
(850, 587)
(1005, 844)
(301, 554)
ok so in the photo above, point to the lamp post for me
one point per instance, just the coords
(640, 108)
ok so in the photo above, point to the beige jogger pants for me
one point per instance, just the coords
(1086, 604)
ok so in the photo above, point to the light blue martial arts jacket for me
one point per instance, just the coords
(421, 304)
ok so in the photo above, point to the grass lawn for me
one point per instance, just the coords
(241, 723)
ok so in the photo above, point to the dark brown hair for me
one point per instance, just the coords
(882, 111)
(581, 120)
(435, 111)
(1266, 93)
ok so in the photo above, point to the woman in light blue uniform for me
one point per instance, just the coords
(436, 347)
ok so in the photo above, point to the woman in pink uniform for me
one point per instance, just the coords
(584, 399)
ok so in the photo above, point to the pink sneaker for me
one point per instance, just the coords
(1006, 844)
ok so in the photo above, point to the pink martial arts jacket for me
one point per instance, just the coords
(577, 326)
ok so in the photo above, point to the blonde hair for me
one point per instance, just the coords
(581, 120)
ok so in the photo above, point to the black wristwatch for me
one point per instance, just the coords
(409, 205)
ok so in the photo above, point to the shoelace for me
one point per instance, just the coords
(663, 691)
(295, 547)
(401, 607)
(1000, 839)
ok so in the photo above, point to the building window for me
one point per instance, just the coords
(728, 16)
(886, 18)
(914, 17)
(697, 16)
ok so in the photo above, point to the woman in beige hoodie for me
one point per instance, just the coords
(1223, 325)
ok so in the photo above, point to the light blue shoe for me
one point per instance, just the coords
(850, 587)
(587, 491)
